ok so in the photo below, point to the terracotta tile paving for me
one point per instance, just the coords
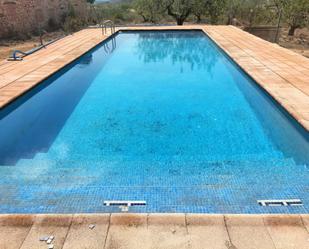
(190, 231)
(281, 72)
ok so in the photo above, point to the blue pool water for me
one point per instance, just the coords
(163, 117)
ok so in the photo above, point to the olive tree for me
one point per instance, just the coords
(296, 13)
(254, 12)
(233, 9)
(149, 10)
(215, 8)
(199, 9)
(179, 9)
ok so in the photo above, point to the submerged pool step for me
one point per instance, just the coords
(276, 203)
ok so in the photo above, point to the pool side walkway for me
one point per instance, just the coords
(17, 77)
(281, 72)
(143, 231)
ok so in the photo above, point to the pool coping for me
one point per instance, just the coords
(153, 230)
(290, 90)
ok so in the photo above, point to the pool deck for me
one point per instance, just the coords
(281, 72)
(155, 231)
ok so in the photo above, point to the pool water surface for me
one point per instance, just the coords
(164, 117)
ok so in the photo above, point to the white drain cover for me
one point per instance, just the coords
(286, 202)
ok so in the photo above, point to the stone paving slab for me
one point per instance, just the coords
(127, 231)
(287, 231)
(87, 231)
(48, 225)
(14, 229)
(248, 232)
(154, 231)
(305, 220)
(168, 231)
(208, 231)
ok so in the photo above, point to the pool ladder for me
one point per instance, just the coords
(108, 24)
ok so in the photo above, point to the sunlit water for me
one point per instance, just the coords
(163, 117)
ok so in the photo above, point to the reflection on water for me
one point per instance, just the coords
(156, 47)
(86, 60)
(110, 46)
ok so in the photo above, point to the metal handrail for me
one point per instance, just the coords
(15, 55)
(108, 24)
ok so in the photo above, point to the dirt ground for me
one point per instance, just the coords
(298, 43)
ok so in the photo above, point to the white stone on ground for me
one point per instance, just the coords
(91, 226)
(44, 238)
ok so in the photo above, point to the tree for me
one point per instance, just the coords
(233, 8)
(210, 8)
(199, 9)
(255, 12)
(251, 12)
(179, 9)
(149, 10)
(92, 14)
(215, 9)
(296, 13)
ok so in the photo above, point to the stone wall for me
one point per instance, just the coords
(24, 16)
(267, 33)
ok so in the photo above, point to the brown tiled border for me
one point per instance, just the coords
(281, 72)
(132, 231)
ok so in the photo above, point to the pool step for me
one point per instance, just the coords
(277, 155)
(213, 175)
(254, 159)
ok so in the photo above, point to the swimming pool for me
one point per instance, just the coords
(164, 117)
